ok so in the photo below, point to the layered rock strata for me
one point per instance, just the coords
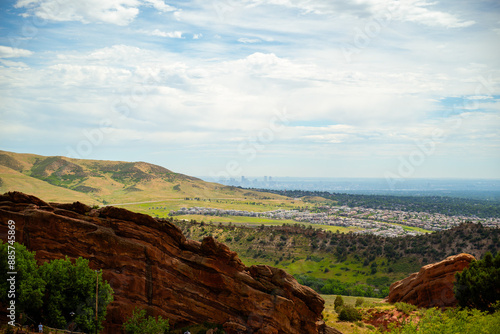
(151, 264)
(432, 286)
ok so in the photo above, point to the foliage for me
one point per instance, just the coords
(405, 307)
(51, 292)
(138, 323)
(30, 286)
(349, 313)
(336, 287)
(433, 321)
(339, 302)
(395, 257)
(9, 330)
(359, 302)
(72, 288)
(479, 285)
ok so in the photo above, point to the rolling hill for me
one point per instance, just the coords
(62, 179)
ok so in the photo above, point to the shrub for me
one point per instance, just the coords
(138, 323)
(405, 308)
(452, 321)
(349, 313)
(339, 301)
(359, 302)
(479, 285)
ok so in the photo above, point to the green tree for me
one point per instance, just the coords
(349, 313)
(71, 288)
(338, 303)
(138, 323)
(479, 285)
(30, 286)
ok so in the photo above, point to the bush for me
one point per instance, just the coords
(479, 285)
(339, 301)
(359, 302)
(138, 323)
(405, 308)
(349, 313)
(452, 321)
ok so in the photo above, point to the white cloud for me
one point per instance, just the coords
(248, 40)
(479, 97)
(218, 92)
(9, 52)
(161, 5)
(13, 63)
(159, 33)
(418, 11)
(119, 12)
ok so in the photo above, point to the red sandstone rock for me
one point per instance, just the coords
(150, 264)
(432, 286)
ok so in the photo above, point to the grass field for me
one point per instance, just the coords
(162, 208)
(412, 228)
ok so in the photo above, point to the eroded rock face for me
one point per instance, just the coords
(152, 265)
(432, 286)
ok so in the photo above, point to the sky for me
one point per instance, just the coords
(225, 88)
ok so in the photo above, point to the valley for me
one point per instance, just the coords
(335, 262)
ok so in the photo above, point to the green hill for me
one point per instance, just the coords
(62, 179)
(344, 263)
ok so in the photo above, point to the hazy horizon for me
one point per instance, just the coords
(371, 88)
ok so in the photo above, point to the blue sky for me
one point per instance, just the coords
(364, 88)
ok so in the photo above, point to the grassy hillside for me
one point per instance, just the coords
(107, 182)
(13, 180)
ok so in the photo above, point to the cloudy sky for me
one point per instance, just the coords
(362, 88)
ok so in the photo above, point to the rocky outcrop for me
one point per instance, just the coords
(152, 265)
(432, 286)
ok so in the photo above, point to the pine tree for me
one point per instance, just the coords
(479, 285)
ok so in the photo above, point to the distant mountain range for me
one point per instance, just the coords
(62, 179)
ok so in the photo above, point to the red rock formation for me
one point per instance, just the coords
(432, 286)
(383, 319)
(152, 265)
